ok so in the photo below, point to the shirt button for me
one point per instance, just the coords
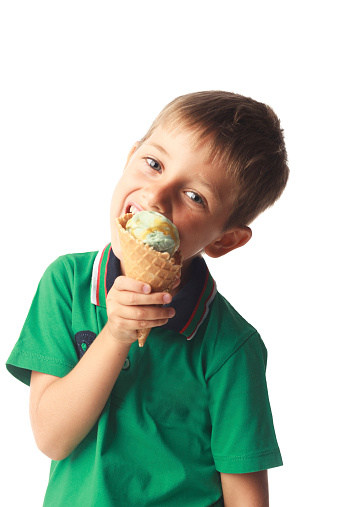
(126, 364)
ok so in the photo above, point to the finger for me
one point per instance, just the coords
(124, 283)
(146, 313)
(128, 298)
(133, 325)
(146, 324)
(176, 283)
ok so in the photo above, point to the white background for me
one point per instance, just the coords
(80, 82)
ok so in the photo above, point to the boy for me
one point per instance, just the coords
(186, 419)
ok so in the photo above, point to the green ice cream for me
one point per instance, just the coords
(155, 230)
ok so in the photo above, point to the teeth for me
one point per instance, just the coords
(133, 210)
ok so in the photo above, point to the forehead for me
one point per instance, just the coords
(183, 142)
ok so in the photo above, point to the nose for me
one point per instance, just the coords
(158, 197)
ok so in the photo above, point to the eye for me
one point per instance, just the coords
(154, 164)
(195, 197)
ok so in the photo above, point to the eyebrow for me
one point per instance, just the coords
(160, 148)
(213, 188)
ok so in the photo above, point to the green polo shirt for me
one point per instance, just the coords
(191, 403)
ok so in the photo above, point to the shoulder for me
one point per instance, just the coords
(224, 315)
(72, 263)
(226, 333)
(68, 270)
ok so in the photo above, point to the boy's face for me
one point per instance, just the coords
(169, 175)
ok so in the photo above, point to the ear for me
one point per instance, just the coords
(131, 153)
(230, 240)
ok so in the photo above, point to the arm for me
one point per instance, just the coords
(245, 490)
(64, 410)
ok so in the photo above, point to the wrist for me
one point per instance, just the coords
(120, 346)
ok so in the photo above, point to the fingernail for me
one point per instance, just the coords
(146, 289)
(171, 312)
(167, 298)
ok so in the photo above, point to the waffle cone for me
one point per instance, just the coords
(143, 263)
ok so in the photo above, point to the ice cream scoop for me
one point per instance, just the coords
(155, 230)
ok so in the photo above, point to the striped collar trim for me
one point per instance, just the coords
(201, 309)
(99, 288)
(191, 304)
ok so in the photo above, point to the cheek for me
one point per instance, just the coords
(192, 235)
(188, 224)
(120, 193)
(114, 208)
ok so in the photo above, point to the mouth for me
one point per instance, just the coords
(133, 208)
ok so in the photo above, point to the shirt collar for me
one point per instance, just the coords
(191, 303)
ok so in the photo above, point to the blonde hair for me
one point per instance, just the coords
(244, 137)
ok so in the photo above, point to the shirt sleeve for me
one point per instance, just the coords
(46, 343)
(243, 438)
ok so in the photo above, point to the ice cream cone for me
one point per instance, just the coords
(143, 263)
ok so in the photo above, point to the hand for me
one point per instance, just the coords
(132, 306)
